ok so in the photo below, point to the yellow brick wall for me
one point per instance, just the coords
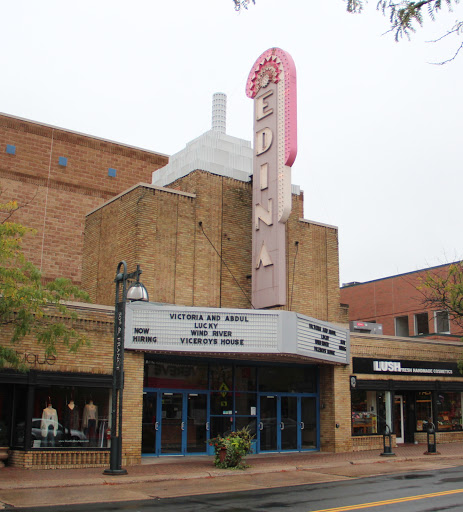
(208, 264)
(132, 408)
(97, 358)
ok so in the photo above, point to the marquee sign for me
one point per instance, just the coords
(154, 327)
(272, 86)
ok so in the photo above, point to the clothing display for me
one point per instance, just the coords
(49, 425)
(71, 418)
(90, 413)
(90, 422)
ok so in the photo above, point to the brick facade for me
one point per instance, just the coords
(160, 229)
(55, 198)
(383, 300)
(193, 243)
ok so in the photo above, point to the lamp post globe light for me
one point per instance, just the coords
(136, 292)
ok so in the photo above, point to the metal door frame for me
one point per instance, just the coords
(400, 439)
(184, 420)
(279, 423)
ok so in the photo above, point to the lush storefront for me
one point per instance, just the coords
(408, 406)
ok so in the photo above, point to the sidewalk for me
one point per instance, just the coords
(181, 476)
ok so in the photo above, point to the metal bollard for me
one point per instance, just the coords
(431, 435)
(387, 443)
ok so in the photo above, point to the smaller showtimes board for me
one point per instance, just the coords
(326, 339)
(154, 327)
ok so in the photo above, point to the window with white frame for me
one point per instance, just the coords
(441, 322)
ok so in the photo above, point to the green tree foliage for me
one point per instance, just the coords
(445, 292)
(405, 16)
(239, 4)
(27, 305)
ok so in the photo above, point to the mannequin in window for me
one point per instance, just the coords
(71, 419)
(90, 422)
(49, 425)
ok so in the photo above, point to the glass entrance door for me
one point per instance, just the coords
(309, 421)
(174, 423)
(196, 425)
(287, 422)
(399, 418)
(268, 423)
(149, 423)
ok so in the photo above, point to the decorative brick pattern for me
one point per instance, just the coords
(362, 443)
(58, 459)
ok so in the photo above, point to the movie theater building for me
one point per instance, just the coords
(199, 360)
(244, 326)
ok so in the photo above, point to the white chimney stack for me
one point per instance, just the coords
(219, 112)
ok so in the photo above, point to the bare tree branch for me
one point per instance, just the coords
(448, 60)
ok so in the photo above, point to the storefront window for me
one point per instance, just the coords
(370, 412)
(245, 378)
(246, 404)
(68, 417)
(449, 411)
(5, 414)
(20, 398)
(247, 422)
(221, 377)
(220, 425)
(423, 408)
(288, 379)
(170, 375)
(221, 403)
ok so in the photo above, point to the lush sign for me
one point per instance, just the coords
(405, 367)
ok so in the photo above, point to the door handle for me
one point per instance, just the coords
(261, 426)
(207, 425)
(282, 425)
(156, 425)
(302, 425)
(182, 425)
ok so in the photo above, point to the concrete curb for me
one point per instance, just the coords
(203, 473)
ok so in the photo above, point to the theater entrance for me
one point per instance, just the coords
(174, 423)
(187, 403)
(287, 422)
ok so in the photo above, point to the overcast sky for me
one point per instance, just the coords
(379, 128)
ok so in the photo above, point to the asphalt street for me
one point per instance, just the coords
(424, 491)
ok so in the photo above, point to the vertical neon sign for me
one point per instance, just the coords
(272, 86)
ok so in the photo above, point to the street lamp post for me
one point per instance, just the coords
(136, 292)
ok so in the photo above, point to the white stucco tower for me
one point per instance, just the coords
(214, 151)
